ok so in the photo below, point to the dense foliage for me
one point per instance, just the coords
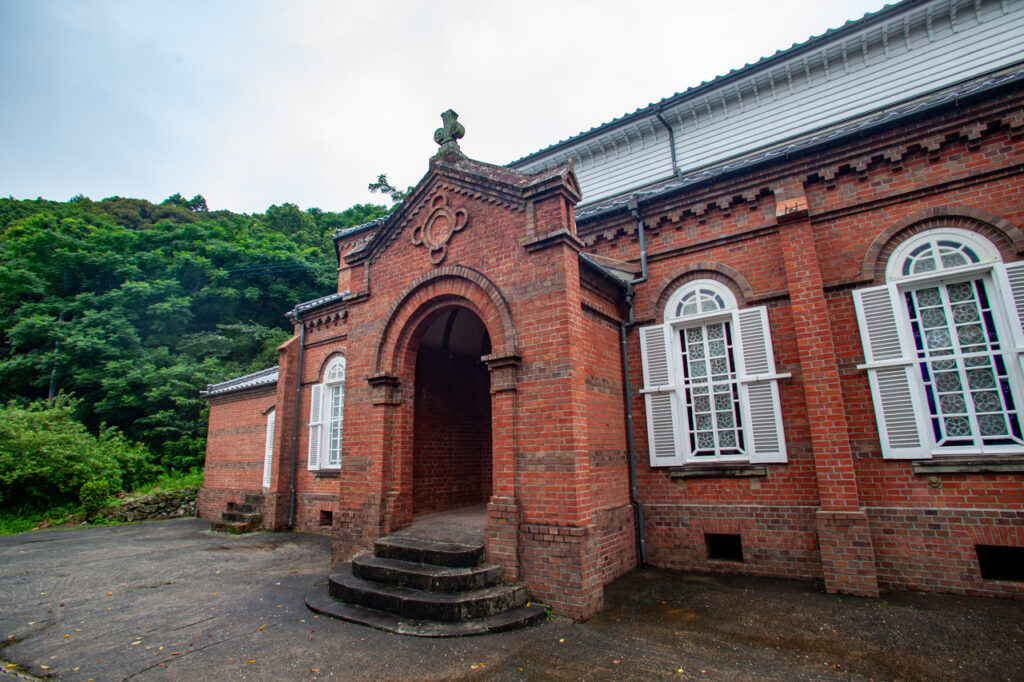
(47, 457)
(133, 307)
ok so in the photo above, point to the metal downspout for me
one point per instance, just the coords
(295, 421)
(671, 147)
(634, 495)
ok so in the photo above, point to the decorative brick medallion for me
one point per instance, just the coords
(441, 223)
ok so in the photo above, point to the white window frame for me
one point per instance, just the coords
(268, 448)
(669, 422)
(324, 451)
(898, 392)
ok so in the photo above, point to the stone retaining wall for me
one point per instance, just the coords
(161, 505)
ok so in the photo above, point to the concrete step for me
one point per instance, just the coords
(422, 551)
(425, 576)
(417, 604)
(239, 516)
(234, 527)
(245, 508)
(319, 600)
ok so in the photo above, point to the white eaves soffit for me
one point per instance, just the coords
(925, 48)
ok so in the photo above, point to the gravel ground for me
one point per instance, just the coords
(170, 600)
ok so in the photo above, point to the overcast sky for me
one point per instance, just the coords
(252, 103)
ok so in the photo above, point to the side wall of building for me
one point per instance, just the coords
(960, 167)
(235, 448)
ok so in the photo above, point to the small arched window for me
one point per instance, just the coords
(698, 298)
(327, 417)
(937, 251)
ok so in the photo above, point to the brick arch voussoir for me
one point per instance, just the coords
(1006, 236)
(718, 272)
(452, 285)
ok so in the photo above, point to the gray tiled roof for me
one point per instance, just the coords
(881, 118)
(263, 377)
(811, 42)
(315, 303)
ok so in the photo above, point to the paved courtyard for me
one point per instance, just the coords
(170, 600)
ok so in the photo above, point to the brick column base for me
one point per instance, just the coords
(847, 556)
(561, 568)
(354, 530)
(502, 536)
(275, 511)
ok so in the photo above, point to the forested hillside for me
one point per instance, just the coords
(132, 307)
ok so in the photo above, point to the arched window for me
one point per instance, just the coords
(942, 340)
(710, 381)
(327, 417)
(936, 251)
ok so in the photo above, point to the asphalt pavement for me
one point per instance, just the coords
(170, 600)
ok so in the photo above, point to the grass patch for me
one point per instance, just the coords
(22, 519)
(25, 518)
(172, 480)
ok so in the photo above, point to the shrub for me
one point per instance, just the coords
(94, 495)
(46, 456)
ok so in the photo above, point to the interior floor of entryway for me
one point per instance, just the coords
(464, 526)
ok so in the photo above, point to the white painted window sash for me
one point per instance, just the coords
(268, 449)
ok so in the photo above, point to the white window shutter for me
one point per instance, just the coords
(759, 386)
(268, 450)
(889, 358)
(666, 431)
(1010, 279)
(315, 425)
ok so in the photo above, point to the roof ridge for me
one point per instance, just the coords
(829, 34)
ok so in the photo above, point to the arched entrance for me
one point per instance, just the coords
(451, 462)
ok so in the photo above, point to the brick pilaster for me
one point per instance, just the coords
(844, 538)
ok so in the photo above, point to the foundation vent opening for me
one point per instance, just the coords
(723, 547)
(1001, 563)
(326, 518)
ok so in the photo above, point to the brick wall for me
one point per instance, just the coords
(452, 450)
(959, 168)
(235, 447)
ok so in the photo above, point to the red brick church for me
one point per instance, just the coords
(770, 325)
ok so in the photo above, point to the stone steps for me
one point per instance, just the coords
(428, 577)
(241, 517)
(423, 551)
(425, 588)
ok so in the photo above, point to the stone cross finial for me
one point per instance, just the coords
(448, 134)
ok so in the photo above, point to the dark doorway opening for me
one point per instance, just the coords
(452, 414)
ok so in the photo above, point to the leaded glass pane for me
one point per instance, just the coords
(928, 297)
(961, 291)
(992, 425)
(952, 260)
(923, 265)
(987, 401)
(962, 365)
(952, 403)
(711, 373)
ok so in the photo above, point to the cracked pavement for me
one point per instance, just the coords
(171, 600)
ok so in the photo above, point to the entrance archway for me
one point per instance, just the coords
(451, 462)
